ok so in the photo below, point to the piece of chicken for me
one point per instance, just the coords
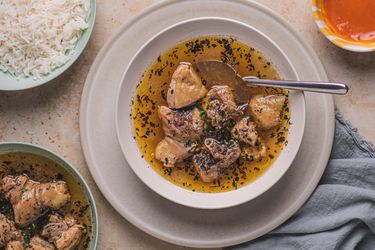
(267, 109)
(183, 125)
(15, 245)
(213, 160)
(208, 167)
(30, 199)
(10, 237)
(65, 233)
(221, 106)
(254, 153)
(170, 151)
(245, 131)
(37, 243)
(186, 87)
(222, 152)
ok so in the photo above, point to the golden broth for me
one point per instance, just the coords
(41, 169)
(151, 93)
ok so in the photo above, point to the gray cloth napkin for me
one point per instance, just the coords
(340, 214)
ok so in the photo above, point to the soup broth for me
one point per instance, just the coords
(151, 93)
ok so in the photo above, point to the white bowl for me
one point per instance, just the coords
(141, 61)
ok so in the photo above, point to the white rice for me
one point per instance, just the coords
(37, 35)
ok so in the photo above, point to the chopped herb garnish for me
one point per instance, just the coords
(280, 139)
(85, 244)
(234, 184)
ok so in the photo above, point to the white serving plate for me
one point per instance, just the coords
(158, 216)
(166, 39)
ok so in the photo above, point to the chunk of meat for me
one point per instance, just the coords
(37, 243)
(15, 245)
(186, 87)
(65, 233)
(10, 237)
(181, 125)
(245, 131)
(212, 161)
(221, 106)
(30, 199)
(254, 153)
(169, 152)
(207, 166)
(267, 109)
(227, 153)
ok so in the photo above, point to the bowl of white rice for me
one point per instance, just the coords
(40, 39)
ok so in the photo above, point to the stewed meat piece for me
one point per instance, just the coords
(254, 153)
(208, 167)
(228, 153)
(221, 106)
(170, 151)
(267, 109)
(10, 237)
(15, 245)
(186, 87)
(30, 199)
(37, 243)
(245, 131)
(64, 232)
(213, 160)
(181, 125)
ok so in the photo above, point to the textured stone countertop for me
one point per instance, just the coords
(49, 115)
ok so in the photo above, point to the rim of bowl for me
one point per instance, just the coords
(28, 148)
(200, 206)
(61, 69)
(335, 38)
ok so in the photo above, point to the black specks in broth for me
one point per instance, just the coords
(152, 92)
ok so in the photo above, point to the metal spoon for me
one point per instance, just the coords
(217, 72)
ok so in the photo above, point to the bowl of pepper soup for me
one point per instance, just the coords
(200, 143)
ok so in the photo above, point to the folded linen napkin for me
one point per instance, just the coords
(340, 214)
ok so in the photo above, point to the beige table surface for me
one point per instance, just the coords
(49, 115)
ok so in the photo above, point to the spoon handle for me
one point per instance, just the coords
(320, 87)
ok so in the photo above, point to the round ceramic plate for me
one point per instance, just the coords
(183, 31)
(11, 83)
(158, 216)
